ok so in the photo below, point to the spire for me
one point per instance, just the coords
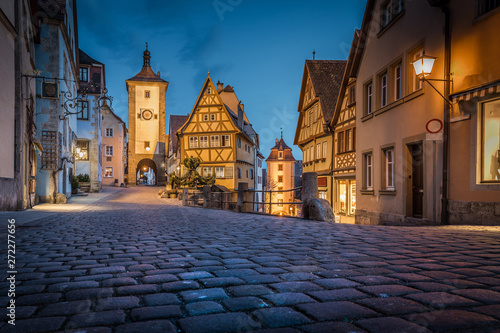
(314, 53)
(281, 128)
(147, 57)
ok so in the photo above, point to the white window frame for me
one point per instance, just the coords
(203, 141)
(106, 175)
(417, 83)
(383, 90)
(369, 98)
(109, 132)
(325, 149)
(389, 169)
(398, 83)
(193, 142)
(219, 171)
(109, 150)
(318, 151)
(205, 117)
(214, 141)
(226, 140)
(207, 171)
(213, 117)
(368, 171)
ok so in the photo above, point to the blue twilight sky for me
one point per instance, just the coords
(256, 46)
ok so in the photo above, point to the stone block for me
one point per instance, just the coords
(482, 208)
(319, 210)
(61, 198)
(459, 206)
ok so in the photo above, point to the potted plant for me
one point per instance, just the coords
(74, 185)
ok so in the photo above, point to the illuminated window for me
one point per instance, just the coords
(322, 195)
(82, 150)
(108, 173)
(204, 141)
(280, 202)
(490, 142)
(342, 189)
(207, 171)
(352, 192)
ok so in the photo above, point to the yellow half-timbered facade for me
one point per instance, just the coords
(343, 125)
(221, 136)
(321, 83)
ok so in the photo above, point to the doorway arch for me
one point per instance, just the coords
(146, 172)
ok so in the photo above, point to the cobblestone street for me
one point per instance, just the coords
(133, 262)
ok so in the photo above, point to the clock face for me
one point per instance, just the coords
(147, 114)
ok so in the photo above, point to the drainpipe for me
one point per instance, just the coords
(446, 116)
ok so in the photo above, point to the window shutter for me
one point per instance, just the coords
(228, 173)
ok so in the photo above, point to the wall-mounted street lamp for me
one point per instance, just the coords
(70, 102)
(423, 68)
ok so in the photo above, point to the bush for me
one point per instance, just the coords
(83, 178)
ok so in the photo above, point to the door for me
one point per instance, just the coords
(417, 179)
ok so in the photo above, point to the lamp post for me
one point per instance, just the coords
(423, 68)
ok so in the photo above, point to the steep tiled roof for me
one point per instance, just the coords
(174, 124)
(86, 59)
(147, 74)
(326, 78)
(280, 146)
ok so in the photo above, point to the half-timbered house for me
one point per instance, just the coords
(320, 88)
(219, 133)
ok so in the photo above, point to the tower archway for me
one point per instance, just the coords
(146, 172)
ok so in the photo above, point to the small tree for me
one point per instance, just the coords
(192, 178)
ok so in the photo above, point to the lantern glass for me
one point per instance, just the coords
(423, 66)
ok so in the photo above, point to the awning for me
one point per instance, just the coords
(481, 91)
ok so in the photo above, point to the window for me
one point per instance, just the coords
(325, 149)
(84, 74)
(352, 192)
(389, 168)
(342, 196)
(280, 179)
(340, 142)
(349, 136)
(368, 98)
(311, 117)
(146, 93)
(280, 154)
(108, 173)
(322, 195)
(239, 173)
(226, 141)
(490, 142)
(109, 132)
(239, 142)
(416, 82)
(398, 88)
(213, 117)
(209, 90)
(207, 171)
(318, 151)
(280, 188)
(383, 90)
(259, 180)
(280, 167)
(214, 141)
(251, 174)
(83, 110)
(193, 142)
(205, 117)
(484, 6)
(82, 150)
(368, 171)
(280, 202)
(204, 141)
(389, 11)
(109, 150)
(219, 172)
(146, 145)
(246, 173)
(352, 95)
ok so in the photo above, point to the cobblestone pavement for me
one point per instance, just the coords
(133, 262)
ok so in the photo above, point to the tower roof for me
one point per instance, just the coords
(146, 73)
(281, 146)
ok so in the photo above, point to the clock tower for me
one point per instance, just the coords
(147, 120)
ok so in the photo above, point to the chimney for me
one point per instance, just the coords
(242, 106)
(240, 117)
(220, 86)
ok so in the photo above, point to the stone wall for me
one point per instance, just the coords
(8, 197)
(476, 213)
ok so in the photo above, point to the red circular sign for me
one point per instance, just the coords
(434, 125)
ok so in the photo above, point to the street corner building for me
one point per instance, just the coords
(147, 126)
(427, 142)
(219, 133)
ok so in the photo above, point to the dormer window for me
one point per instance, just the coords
(280, 154)
(209, 90)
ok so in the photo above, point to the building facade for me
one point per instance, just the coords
(174, 149)
(114, 152)
(320, 88)
(89, 121)
(56, 60)
(17, 105)
(218, 132)
(474, 140)
(343, 125)
(147, 123)
(281, 177)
